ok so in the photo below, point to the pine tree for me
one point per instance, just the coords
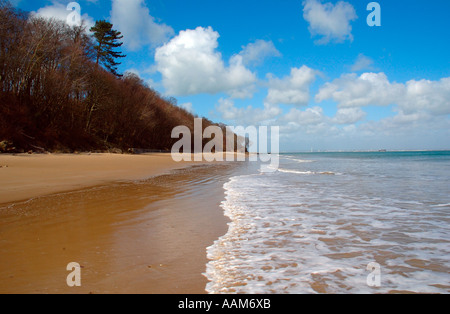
(107, 42)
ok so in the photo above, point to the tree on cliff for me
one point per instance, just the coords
(108, 40)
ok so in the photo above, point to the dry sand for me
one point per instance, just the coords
(146, 236)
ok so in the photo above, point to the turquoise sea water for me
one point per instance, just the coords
(315, 224)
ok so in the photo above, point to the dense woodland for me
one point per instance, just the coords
(57, 96)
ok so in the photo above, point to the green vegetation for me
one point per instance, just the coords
(107, 41)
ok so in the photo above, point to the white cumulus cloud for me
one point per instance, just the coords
(59, 11)
(330, 21)
(247, 116)
(423, 96)
(255, 53)
(132, 18)
(362, 63)
(293, 89)
(190, 64)
(309, 116)
(426, 95)
(367, 89)
(349, 115)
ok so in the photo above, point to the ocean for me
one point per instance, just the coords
(362, 222)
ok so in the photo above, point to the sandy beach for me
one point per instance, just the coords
(23, 177)
(135, 224)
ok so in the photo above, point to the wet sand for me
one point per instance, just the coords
(26, 176)
(147, 236)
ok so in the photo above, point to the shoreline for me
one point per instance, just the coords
(24, 177)
(141, 229)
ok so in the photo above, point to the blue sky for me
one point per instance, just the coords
(313, 67)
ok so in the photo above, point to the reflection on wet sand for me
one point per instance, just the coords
(138, 237)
